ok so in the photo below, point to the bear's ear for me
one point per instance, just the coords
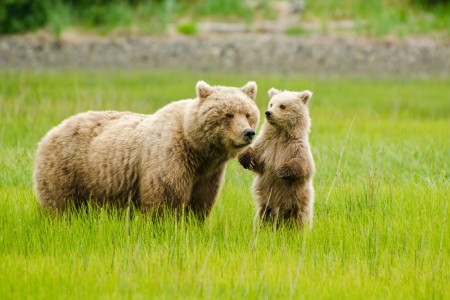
(272, 92)
(250, 89)
(305, 96)
(203, 89)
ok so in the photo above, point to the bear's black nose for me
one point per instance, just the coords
(268, 114)
(249, 134)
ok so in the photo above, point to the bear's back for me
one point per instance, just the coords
(87, 149)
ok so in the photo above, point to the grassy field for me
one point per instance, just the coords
(381, 225)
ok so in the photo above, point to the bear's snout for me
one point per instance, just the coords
(249, 134)
(268, 114)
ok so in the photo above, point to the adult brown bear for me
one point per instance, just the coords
(172, 159)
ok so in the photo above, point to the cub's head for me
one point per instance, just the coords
(289, 110)
(228, 115)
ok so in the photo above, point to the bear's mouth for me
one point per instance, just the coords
(241, 145)
(271, 121)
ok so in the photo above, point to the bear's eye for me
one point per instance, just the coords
(282, 106)
(271, 104)
(229, 116)
(247, 116)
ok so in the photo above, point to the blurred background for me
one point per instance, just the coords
(374, 37)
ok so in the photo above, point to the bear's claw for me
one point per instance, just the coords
(245, 160)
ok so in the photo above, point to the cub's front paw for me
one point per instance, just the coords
(285, 173)
(245, 159)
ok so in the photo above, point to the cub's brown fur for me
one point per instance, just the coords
(172, 159)
(282, 159)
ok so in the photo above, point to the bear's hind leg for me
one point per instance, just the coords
(55, 184)
(56, 198)
(302, 217)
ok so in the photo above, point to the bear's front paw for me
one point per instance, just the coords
(245, 159)
(285, 173)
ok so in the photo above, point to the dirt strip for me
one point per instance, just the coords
(234, 52)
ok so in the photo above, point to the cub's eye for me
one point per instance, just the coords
(247, 116)
(229, 116)
(282, 106)
(271, 104)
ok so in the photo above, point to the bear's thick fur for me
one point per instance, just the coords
(282, 159)
(174, 158)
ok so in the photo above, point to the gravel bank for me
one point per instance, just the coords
(235, 52)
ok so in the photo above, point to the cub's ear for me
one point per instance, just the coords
(250, 89)
(203, 89)
(305, 96)
(272, 92)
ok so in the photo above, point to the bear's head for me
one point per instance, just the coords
(228, 116)
(288, 110)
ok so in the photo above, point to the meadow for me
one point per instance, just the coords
(381, 226)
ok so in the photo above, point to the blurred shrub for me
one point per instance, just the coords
(431, 3)
(59, 17)
(86, 3)
(28, 15)
(187, 28)
(22, 15)
(111, 14)
(225, 8)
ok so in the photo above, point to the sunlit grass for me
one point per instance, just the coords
(382, 232)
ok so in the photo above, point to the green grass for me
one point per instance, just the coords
(379, 18)
(383, 231)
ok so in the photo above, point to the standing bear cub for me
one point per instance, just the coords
(173, 159)
(282, 159)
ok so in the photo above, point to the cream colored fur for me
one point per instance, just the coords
(282, 159)
(174, 158)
